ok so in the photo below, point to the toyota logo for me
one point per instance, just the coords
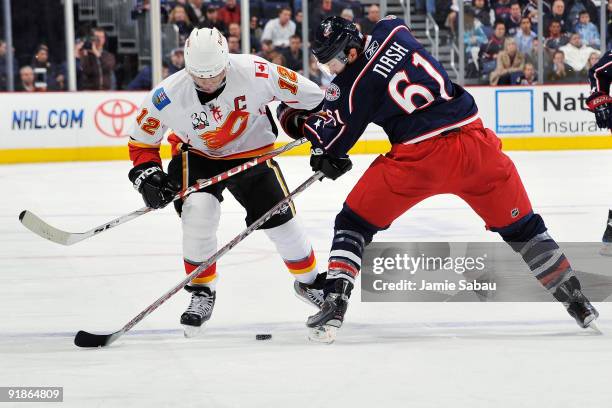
(111, 116)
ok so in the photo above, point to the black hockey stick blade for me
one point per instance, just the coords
(89, 340)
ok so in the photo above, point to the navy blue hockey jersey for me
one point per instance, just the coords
(396, 84)
(600, 74)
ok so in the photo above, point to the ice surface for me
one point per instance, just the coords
(387, 355)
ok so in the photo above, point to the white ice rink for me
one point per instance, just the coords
(387, 355)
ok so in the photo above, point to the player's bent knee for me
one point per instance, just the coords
(522, 231)
(348, 220)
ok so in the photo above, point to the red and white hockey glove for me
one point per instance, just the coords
(601, 105)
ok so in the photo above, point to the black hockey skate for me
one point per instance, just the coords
(311, 294)
(324, 325)
(577, 305)
(199, 310)
(606, 248)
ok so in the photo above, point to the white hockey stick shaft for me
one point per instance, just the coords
(35, 224)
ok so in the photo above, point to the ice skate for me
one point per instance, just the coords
(311, 294)
(576, 304)
(324, 325)
(606, 248)
(199, 310)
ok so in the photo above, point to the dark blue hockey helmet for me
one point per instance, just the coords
(334, 37)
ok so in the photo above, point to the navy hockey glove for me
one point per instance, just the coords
(155, 186)
(332, 167)
(601, 105)
(291, 120)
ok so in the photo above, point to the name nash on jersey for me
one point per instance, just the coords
(389, 60)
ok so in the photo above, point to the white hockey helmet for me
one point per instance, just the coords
(206, 53)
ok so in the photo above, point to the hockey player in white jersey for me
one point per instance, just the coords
(216, 110)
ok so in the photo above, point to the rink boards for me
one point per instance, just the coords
(50, 126)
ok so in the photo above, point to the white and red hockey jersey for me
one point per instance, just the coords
(233, 125)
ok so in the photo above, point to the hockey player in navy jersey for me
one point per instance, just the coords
(439, 146)
(600, 103)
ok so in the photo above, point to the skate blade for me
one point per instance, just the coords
(192, 331)
(606, 249)
(594, 327)
(323, 334)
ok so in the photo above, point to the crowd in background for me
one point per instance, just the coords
(501, 42)
(499, 37)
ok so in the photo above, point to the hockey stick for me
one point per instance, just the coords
(85, 339)
(35, 224)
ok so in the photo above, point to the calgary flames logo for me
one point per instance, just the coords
(235, 124)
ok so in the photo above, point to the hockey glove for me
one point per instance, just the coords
(332, 167)
(601, 105)
(291, 120)
(155, 186)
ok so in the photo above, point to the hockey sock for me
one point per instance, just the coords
(295, 249)
(547, 262)
(200, 219)
(351, 235)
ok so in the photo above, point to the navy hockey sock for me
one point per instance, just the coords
(351, 235)
(547, 262)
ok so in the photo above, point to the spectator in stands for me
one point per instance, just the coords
(277, 58)
(532, 55)
(510, 61)
(528, 76)
(492, 48)
(593, 58)
(3, 76)
(230, 13)
(299, 18)
(513, 23)
(556, 38)
(97, 64)
(144, 80)
(212, 19)
(326, 9)
(279, 29)
(559, 71)
(531, 10)
(293, 55)
(178, 16)
(40, 61)
(481, 12)
(26, 80)
(524, 37)
(267, 48)
(348, 14)
(473, 38)
(558, 14)
(426, 6)
(502, 9)
(195, 11)
(233, 44)
(576, 53)
(371, 19)
(587, 30)
(256, 32)
(234, 29)
(177, 61)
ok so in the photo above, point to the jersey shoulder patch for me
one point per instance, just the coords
(160, 99)
(261, 69)
(333, 92)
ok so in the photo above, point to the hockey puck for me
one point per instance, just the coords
(263, 336)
